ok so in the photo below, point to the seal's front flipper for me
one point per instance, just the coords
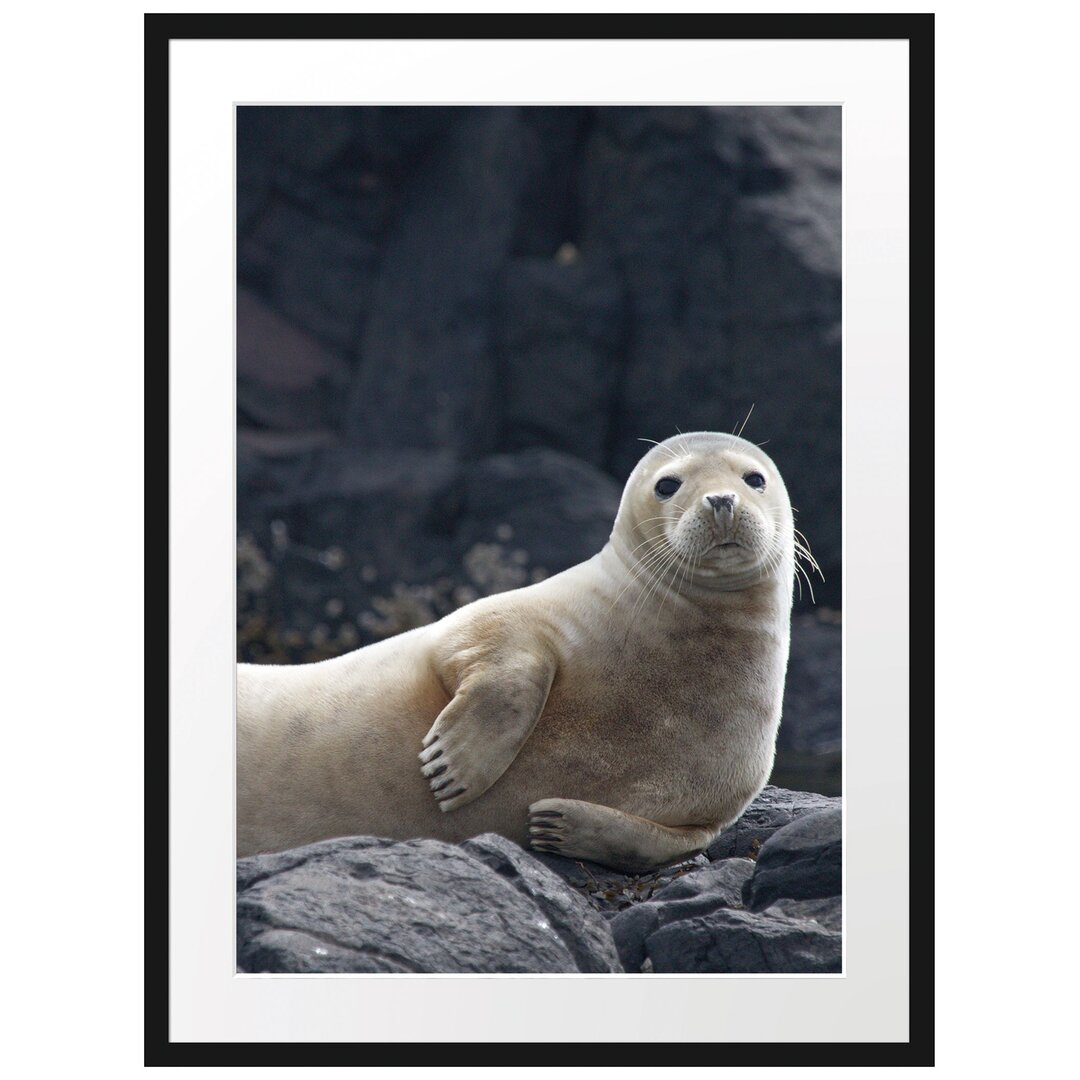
(602, 834)
(479, 733)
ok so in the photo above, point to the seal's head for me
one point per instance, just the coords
(711, 505)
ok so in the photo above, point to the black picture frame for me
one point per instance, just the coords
(159, 31)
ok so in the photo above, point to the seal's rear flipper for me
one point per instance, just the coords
(586, 830)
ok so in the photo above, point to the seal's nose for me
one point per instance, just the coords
(722, 504)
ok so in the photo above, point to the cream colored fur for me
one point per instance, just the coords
(623, 711)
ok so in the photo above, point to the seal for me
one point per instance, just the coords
(623, 711)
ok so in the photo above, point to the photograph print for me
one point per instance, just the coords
(538, 539)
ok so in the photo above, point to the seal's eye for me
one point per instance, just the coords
(755, 480)
(667, 487)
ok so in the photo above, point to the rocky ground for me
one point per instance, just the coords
(765, 897)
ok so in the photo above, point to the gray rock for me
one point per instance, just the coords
(287, 380)
(828, 911)
(586, 936)
(561, 323)
(774, 808)
(513, 499)
(698, 924)
(317, 274)
(744, 942)
(811, 722)
(425, 374)
(549, 210)
(610, 891)
(696, 893)
(319, 190)
(801, 861)
(723, 881)
(363, 904)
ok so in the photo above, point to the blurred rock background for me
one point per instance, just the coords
(454, 324)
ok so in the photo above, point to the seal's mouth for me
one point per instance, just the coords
(719, 545)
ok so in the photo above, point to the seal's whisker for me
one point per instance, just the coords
(640, 571)
(657, 543)
(801, 555)
(687, 574)
(777, 555)
(677, 584)
(658, 575)
(809, 584)
(639, 599)
(650, 559)
(688, 578)
(646, 590)
(802, 550)
(662, 544)
(678, 506)
(738, 434)
(772, 560)
(657, 535)
(663, 598)
(665, 517)
(646, 563)
(666, 449)
(661, 574)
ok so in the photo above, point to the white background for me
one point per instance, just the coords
(72, 436)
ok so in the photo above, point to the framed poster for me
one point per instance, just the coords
(436, 284)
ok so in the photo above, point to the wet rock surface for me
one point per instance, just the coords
(363, 904)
